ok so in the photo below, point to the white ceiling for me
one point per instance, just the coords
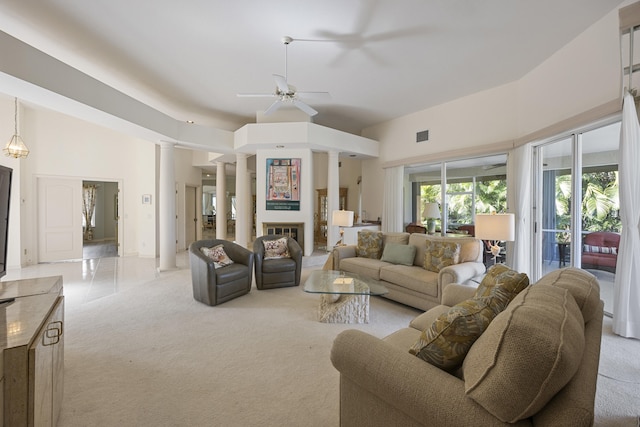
(385, 58)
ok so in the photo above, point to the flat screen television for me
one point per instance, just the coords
(5, 199)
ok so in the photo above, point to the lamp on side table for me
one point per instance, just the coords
(496, 228)
(342, 219)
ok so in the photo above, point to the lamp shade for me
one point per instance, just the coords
(342, 218)
(500, 227)
(431, 210)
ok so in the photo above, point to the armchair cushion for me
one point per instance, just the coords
(217, 255)
(278, 261)
(274, 249)
(441, 254)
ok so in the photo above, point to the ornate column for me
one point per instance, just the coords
(167, 207)
(221, 201)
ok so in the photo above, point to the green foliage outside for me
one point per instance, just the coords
(491, 195)
(600, 201)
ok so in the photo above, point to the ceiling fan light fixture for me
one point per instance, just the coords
(286, 93)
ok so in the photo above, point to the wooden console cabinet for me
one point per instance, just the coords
(32, 356)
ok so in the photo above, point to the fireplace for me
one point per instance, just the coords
(294, 230)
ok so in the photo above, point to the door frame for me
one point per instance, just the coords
(120, 207)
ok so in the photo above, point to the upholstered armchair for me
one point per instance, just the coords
(278, 266)
(215, 279)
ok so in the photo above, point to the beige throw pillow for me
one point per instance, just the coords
(218, 256)
(275, 249)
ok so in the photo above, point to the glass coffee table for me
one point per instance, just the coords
(344, 296)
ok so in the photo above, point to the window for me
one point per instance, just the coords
(476, 185)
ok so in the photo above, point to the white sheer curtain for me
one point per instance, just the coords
(519, 190)
(626, 295)
(392, 218)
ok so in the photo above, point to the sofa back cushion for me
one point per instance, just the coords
(583, 286)
(399, 238)
(602, 239)
(528, 353)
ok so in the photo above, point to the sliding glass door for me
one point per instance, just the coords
(580, 231)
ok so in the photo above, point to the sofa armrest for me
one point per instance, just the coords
(342, 252)
(459, 273)
(455, 293)
(403, 382)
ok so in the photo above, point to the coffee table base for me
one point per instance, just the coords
(335, 308)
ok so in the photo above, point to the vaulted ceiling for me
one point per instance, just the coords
(378, 59)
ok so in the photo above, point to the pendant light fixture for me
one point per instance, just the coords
(15, 147)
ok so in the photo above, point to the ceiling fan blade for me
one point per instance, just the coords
(304, 107)
(281, 82)
(273, 107)
(255, 95)
(313, 95)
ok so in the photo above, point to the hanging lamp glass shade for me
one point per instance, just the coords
(15, 147)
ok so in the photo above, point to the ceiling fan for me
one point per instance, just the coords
(286, 93)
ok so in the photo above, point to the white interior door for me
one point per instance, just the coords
(59, 219)
(191, 220)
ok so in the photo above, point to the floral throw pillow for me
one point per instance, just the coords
(369, 244)
(274, 249)
(218, 256)
(440, 255)
(446, 342)
(500, 280)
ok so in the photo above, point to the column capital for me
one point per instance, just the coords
(167, 144)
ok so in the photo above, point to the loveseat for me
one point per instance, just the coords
(600, 250)
(398, 260)
(536, 363)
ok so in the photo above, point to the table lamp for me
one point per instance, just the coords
(495, 228)
(431, 212)
(342, 219)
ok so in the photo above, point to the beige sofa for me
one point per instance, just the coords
(535, 364)
(414, 285)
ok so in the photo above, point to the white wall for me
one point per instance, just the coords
(62, 146)
(580, 77)
(307, 193)
(349, 171)
(186, 175)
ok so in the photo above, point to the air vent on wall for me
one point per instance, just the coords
(422, 136)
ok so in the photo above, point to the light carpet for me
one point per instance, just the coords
(150, 355)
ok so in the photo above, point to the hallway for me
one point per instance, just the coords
(101, 249)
